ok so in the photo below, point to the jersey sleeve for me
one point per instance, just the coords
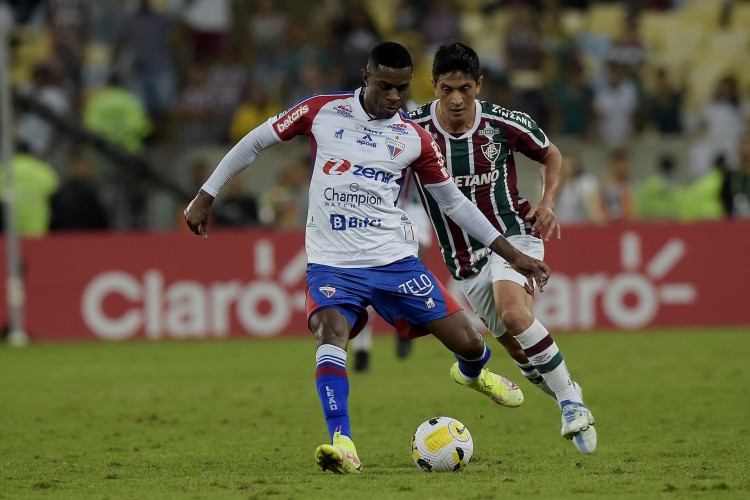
(430, 164)
(525, 136)
(298, 120)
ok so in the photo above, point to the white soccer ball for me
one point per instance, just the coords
(442, 444)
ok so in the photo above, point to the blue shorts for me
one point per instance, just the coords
(405, 293)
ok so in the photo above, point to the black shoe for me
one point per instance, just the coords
(403, 346)
(361, 361)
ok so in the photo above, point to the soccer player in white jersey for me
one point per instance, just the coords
(477, 139)
(361, 248)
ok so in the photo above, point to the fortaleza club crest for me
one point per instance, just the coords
(394, 147)
(491, 151)
(327, 290)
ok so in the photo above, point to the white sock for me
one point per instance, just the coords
(543, 353)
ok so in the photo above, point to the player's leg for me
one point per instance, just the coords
(335, 310)
(331, 329)
(514, 307)
(458, 334)
(408, 296)
(479, 292)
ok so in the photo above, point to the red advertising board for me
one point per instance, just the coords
(251, 282)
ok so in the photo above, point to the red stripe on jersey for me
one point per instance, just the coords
(298, 119)
(431, 164)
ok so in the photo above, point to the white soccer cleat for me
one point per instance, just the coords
(576, 422)
(585, 441)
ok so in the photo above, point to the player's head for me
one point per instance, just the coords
(452, 57)
(387, 79)
(457, 79)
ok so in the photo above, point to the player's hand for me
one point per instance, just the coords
(197, 212)
(546, 222)
(536, 271)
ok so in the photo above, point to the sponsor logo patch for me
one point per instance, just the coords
(291, 117)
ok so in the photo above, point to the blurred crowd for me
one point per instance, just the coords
(110, 94)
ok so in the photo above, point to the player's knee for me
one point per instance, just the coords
(474, 345)
(516, 319)
(330, 329)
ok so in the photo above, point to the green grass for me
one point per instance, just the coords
(240, 419)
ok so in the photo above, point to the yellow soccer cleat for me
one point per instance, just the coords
(339, 457)
(499, 389)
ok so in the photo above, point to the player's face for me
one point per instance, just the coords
(457, 92)
(386, 90)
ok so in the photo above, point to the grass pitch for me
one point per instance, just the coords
(241, 419)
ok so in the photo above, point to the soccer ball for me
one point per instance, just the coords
(442, 444)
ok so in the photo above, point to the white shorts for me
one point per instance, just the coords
(478, 288)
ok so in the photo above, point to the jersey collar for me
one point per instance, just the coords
(359, 101)
(468, 133)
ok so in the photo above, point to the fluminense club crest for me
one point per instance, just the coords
(491, 151)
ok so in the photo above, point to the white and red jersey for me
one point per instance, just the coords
(358, 167)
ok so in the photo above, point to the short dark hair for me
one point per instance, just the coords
(455, 56)
(390, 55)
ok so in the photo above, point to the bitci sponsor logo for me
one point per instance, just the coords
(341, 222)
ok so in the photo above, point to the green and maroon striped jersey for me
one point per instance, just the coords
(481, 163)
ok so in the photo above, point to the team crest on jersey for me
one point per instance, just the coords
(327, 290)
(491, 151)
(395, 148)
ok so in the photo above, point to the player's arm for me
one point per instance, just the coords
(236, 160)
(546, 222)
(464, 213)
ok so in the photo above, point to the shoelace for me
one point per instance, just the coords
(572, 411)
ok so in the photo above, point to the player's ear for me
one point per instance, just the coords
(365, 76)
(434, 86)
(479, 83)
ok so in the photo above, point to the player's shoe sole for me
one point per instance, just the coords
(498, 388)
(585, 441)
(339, 457)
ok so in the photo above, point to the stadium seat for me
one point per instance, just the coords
(381, 13)
(653, 25)
(573, 21)
(606, 19)
(703, 79)
(682, 43)
(704, 13)
(740, 16)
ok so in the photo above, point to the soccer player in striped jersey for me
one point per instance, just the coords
(478, 140)
(362, 248)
